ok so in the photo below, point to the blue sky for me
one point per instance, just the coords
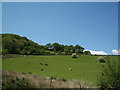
(91, 25)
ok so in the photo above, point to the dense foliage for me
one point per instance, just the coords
(87, 53)
(16, 83)
(110, 75)
(15, 44)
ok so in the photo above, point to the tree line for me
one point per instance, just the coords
(15, 44)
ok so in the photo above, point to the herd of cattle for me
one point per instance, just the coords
(44, 65)
(47, 65)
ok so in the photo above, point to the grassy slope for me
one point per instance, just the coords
(84, 67)
(0, 62)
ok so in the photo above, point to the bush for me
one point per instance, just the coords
(46, 52)
(110, 75)
(101, 59)
(16, 83)
(63, 53)
(24, 52)
(23, 72)
(30, 73)
(4, 51)
(52, 53)
(74, 55)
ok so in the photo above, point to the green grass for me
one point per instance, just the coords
(0, 61)
(83, 68)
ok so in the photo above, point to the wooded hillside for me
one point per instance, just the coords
(15, 44)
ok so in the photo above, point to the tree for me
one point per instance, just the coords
(48, 46)
(87, 53)
(25, 52)
(7, 43)
(62, 48)
(79, 49)
(56, 46)
(72, 49)
(67, 49)
(15, 44)
(32, 51)
(4, 51)
(38, 51)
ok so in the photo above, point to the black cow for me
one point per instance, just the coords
(102, 61)
(46, 64)
(41, 64)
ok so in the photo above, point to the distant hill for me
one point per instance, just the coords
(15, 44)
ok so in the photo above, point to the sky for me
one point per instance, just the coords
(93, 25)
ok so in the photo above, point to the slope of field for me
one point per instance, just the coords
(83, 68)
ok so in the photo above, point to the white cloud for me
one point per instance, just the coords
(116, 52)
(97, 52)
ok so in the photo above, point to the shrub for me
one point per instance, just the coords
(23, 72)
(77, 51)
(52, 53)
(30, 73)
(25, 52)
(101, 59)
(47, 52)
(4, 51)
(63, 53)
(74, 55)
(110, 75)
(16, 83)
(64, 80)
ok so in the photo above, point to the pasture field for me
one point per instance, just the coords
(83, 68)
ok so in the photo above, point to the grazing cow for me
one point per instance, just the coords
(41, 69)
(46, 64)
(70, 69)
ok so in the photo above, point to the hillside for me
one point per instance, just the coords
(15, 44)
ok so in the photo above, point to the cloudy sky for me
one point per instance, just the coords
(93, 25)
(114, 52)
